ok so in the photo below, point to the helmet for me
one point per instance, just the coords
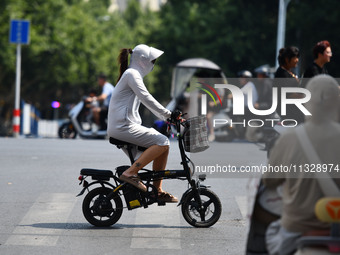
(245, 74)
(264, 69)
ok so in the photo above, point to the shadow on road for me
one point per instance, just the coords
(87, 226)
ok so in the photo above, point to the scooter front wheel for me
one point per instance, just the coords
(101, 211)
(67, 130)
(205, 215)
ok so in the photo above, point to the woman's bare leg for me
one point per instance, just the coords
(152, 153)
(159, 164)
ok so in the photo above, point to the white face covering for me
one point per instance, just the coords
(141, 58)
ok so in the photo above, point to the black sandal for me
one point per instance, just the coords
(166, 197)
(134, 181)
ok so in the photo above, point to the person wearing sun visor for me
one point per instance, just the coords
(124, 121)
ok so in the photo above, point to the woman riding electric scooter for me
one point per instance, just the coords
(124, 121)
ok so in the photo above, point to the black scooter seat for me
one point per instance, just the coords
(120, 144)
(97, 174)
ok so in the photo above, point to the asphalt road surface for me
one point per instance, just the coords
(40, 213)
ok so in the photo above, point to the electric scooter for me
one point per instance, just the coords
(103, 205)
(80, 122)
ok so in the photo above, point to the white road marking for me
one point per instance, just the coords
(36, 228)
(242, 205)
(157, 228)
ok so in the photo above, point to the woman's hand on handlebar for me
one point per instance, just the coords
(176, 116)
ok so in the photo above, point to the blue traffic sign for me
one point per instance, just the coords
(19, 31)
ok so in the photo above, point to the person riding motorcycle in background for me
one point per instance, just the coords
(100, 113)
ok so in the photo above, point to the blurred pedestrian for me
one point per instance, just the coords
(204, 78)
(322, 54)
(288, 59)
(247, 85)
(301, 189)
(285, 77)
(264, 89)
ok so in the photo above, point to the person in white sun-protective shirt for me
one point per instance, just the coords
(124, 121)
(301, 188)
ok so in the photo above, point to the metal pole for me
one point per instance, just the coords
(16, 111)
(281, 28)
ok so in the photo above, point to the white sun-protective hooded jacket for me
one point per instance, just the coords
(141, 58)
(124, 121)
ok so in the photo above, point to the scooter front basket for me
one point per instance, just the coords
(196, 134)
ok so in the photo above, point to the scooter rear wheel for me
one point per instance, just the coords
(205, 216)
(101, 211)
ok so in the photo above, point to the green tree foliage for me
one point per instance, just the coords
(230, 33)
(241, 34)
(311, 21)
(74, 40)
(71, 42)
